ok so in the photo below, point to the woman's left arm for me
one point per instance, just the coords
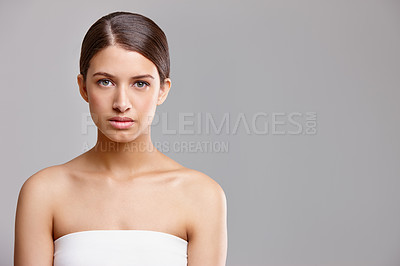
(207, 229)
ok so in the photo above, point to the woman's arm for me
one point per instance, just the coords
(33, 245)
(207, 229)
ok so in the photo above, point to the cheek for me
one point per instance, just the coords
(96, 104)
(146, 107)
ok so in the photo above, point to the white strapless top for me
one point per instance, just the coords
(120, 248)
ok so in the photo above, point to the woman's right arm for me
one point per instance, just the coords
(33, 243)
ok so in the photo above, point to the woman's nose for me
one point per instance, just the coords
(121, 100)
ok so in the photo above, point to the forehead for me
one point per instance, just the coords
(120, 62)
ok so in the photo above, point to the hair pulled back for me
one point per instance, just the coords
(131, 31)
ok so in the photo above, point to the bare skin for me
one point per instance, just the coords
(116, 185)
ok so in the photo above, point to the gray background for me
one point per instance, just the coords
(329, 198)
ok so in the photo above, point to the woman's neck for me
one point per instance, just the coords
(125, 159)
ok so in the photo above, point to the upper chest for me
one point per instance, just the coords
(151, 203)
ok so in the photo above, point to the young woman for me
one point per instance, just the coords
(123, 202)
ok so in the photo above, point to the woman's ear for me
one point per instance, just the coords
(164, 89)
(82, 87)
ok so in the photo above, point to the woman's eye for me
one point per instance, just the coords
(142, 84)
(104, 82)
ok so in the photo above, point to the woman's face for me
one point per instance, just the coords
(122, 83)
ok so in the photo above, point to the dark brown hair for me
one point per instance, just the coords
(131, 31)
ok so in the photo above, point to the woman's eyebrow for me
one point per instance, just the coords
(111, 76)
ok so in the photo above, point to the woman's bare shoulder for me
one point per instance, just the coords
(199, 186)
(191, 180)
(38, 191)
(45, 179)
(196, 176)
(206, 205)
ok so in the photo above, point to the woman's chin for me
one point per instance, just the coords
(122, 138)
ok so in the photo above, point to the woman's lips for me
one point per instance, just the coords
(121, 125)
(121, 122)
